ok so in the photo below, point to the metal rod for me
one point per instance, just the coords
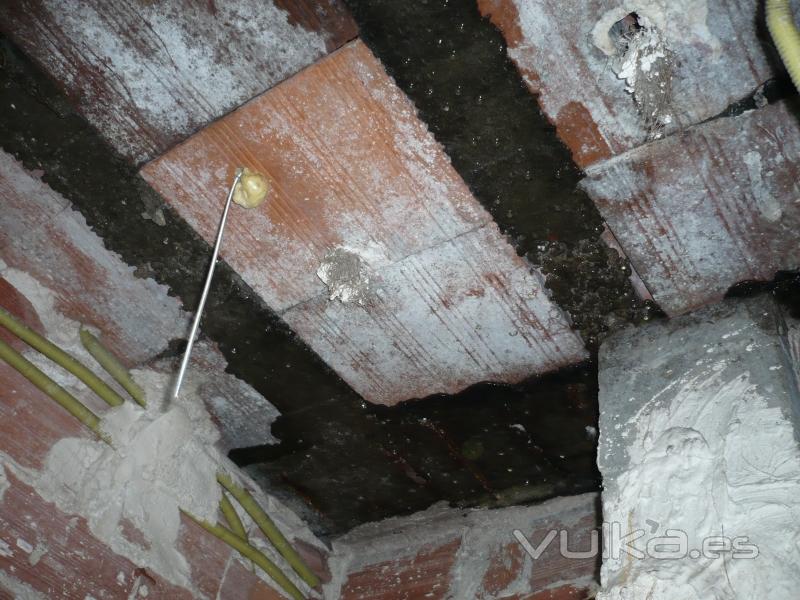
(206, 288)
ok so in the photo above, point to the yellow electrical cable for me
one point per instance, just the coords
(235, 539)
(248, 551)
(784, 32)
(69, 402)
(232, 517)
(112, 366)
(61, 358)
(269, 528)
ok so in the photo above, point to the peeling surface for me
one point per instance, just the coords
(564, 52)
(149, 74)
(702, 211)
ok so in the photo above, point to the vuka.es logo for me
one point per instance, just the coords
(674, 545)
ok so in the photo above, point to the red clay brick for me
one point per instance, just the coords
(552, 44)
(352, 167)
(147, 74)
(240, 583)
(30, 422)
(426, 575)
(74, 563)
(455, 554)
(707, 208)
(206, 555)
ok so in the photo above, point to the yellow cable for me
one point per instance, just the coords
(269, 529)
(232, 517)
(112, 366)
(61, 358)
(248, 551)
(69, 402)
(783, 30)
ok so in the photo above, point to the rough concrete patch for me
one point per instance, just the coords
(644, 60)
(347, 276)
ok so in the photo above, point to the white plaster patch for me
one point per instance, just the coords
(159, 462)
(347, 276)
(681, 21)
(716, 460)
(768, 205)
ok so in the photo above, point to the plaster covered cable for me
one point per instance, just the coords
(232, 517)
(61, 358)
(69, 402)
(268, 527)
(112, 366)
(235, 539)
(784, 32)
(77, 409)
(248, 551)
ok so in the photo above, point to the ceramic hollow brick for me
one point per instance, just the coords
(359, 187)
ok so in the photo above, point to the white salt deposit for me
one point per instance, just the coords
(172, 78)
